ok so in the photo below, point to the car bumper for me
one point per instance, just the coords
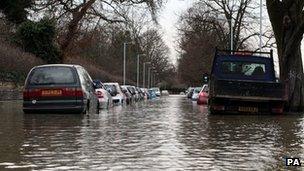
(58, 106)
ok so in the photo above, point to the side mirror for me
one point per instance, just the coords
(94, 85)
(124, 91)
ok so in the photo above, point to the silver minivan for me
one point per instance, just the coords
(59, 88)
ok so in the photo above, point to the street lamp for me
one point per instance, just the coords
(137, 78)
(149, 72)
(149, 76)
(124, 61)
(144, 73)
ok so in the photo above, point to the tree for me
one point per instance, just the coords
(15, 10)
(75, 14)
(200, 33)
(38, 38)
(287, 20)
(242, 14)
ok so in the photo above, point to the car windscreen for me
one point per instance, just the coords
(52, 75)
(111, 87)
(197, 89)
(243, 68)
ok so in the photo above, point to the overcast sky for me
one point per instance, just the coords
(168, 19)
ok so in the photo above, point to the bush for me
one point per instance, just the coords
(38, 38)
(15, 63)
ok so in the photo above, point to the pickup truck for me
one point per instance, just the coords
(245, 82)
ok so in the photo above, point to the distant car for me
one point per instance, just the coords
(203, 95)
(59, 88)
(128, 94)
(140, 93)
(145, 92)
(165, 93)
(190, 92)
(132, 90)
(152, 94)
(104, 96)
(117, 94)
(196, 92)
(157, 91)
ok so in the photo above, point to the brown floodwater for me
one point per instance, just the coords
(168, 133)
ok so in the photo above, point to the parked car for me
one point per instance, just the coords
(103, 95)
(165, 93)
(59, 88)
(146, 93)
(128, 94)
(196, 92)
(157, 91)
(190, 92)
(152, 94)
(203, 95)
(134, 93)
(140, 93)
(117, 94)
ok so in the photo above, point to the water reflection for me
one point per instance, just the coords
(168, 133)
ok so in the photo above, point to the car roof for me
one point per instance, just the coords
(111, 83)
(59, 65)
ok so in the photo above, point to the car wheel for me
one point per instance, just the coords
(87, 109)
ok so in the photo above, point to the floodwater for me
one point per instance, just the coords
(168, 133)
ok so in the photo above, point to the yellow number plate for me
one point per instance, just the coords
(51, 93)
(248, 109)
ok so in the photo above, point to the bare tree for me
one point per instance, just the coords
(73, 13)
(243, 21)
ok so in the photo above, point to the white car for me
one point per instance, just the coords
(117, 95)
(104, 97)
(196, 92)
(165, 93)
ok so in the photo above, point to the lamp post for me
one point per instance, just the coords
(149, 70)
(144, 74)
(137, 76)
(124, 61)
(149, 76)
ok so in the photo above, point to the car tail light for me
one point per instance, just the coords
(25, 94)
(79, 92)
(31, 93)
(99, 94)
(217, 107)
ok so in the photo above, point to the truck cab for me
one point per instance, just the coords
(245, 82)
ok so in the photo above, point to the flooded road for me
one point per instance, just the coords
(168, 133)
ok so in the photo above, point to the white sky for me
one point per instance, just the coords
(168, 19)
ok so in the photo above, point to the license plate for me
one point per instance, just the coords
(51, 93)
(248, 109)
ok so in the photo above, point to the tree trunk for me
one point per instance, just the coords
(288, 25)
(293, 79)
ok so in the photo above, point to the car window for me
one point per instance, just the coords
(243, 68)
(52, 75)
(197, 90)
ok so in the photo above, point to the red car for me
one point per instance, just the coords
(203, 95)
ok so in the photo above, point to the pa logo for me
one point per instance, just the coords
(292, 161)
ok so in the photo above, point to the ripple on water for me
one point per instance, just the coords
(169, 133)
